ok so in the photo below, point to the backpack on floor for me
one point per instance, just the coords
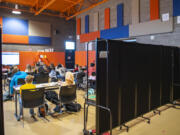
(42, 110)
(73, 107)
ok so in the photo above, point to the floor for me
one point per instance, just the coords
(168, 123)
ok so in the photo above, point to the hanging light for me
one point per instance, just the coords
(16, 11)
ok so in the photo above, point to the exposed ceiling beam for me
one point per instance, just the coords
(36, 2)
(45, 6)
(70, 1)
(93, 6)
(79, 1)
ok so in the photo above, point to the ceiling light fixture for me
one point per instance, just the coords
(16, 11)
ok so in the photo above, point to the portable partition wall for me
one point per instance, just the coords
(1, 97)
(133, 79)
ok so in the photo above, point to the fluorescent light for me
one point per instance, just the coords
(16, 12)
(130, 40)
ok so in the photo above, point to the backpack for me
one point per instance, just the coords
(52, 97)
(73, 107)
(42, 110)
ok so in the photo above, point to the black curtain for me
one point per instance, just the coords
(133, 80)
(1, 96)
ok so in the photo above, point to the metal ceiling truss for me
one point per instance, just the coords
(37, 7)
(72, 9)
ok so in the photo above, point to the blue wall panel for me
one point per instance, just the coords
(176, 7)
(39, 40)
(15, 26)
(115, 33)
(120, 15)
(87, 24)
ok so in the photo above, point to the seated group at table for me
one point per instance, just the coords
(31, 74)
(41, 73)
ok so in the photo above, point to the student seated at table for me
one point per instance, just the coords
(14, 80)
(61, 70)
(76, 68)
(52, 74)
(40, 73)
(4, 69)
(52, 96)
(11, 68)
(29, 69)
(79, 77)
(91, 69)
(28, 85)
(46, 68)
(69, 79)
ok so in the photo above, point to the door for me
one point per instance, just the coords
(70, 54)
(70, 59)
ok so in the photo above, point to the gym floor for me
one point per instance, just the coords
(72, 123)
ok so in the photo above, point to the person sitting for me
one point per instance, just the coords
(14, 80)
(76, 68)
(4, 69)
(52, 96)
(46, 68)
(28, 85)
(52, 74)
(79, 77)
(29, 69)
(91, 69)
(61, 70)
(69, 79)
(41, 76)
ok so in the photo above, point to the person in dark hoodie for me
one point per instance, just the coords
(14, 80)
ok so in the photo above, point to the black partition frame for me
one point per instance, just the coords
(1, 96)
(132, 80)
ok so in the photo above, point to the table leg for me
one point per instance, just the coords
(16, 113)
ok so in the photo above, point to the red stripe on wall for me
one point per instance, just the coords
(89, 36)
(107, 18)
(154, 9)
(6, 38)
(78, 26)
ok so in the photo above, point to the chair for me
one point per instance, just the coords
(21, 81)
(41, 78)
(32, 98)
(67, 94)
(30, 73)
(79, 79)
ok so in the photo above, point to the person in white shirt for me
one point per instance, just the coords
(62, 71)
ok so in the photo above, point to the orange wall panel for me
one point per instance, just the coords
(154, 9)
(33, 57)
(6, 38)
(107, 18)
(80, 57)
(0, 20)
(78, 26)
(89, 36)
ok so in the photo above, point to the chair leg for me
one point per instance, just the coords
(23, 116)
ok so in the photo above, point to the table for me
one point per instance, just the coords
(47, 86)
